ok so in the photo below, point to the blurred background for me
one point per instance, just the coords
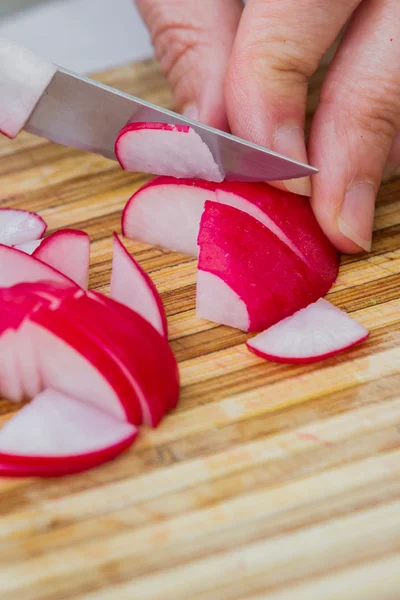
(81, 35)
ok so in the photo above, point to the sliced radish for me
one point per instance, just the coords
(311, 334)
(163, 149)
(20, 226)
(23, 79)
(248, 278)
(131, 286)
(29, 247)
(68, 251)
(17, 267)
(58, 433)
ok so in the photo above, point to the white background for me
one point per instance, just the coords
(81, 35)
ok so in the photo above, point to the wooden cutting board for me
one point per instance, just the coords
(269, 481)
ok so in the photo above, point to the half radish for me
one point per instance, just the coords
(163, 149)
(319, 331)
(131, 286)
(68, 251)
(20, 226)
(23, 79)
(57, 434)
(248, 278)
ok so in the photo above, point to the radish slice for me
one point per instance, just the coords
(23, 79)
(17, 267)
(68, 251)
(256, 279)
(313, 333)
(20, 226)
(131, 286)
(57, 432)
(163, 149)
(29, 247)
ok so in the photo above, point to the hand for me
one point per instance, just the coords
(247, 69)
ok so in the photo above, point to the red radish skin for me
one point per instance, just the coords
(68, 251)
(314, 333)
(164, 149)
(248, 278)
(24, 77)
(20, 226)
(130, 285)
(56, 434)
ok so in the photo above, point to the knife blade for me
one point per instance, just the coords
(82, 113)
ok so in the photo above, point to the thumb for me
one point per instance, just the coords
(193, 41)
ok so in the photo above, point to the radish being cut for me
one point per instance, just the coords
(68, 251)
(131, 286)
(247, 277)
(55, 433)
(20, 226)
(23, 79)
(29, 247)
(164, 149)
(316, 332)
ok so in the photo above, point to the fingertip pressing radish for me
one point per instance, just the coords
(131, 286)
(314, 333)
(20, 226)
(68, 251)
(23, 79)
(164, 149)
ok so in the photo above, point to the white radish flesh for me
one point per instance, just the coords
(20, 226)
(131, 286)
(316, 332)
(29, 247)
(218, 302)
(23, 79)
(163, 149)
(11, 386)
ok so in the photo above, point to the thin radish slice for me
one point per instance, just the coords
(11, 386)
(17, 267)
(56, 432)
(23, 79)
(163, 149)
(29, 247)
(319, 331)
(20, 226)
(68, 251)
(131, 286)
(253, 280)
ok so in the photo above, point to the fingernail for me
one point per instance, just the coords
(191, 112)
(391, 173)
(289, 141)
(356, 217)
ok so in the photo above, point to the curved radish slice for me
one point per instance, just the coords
(20, 226)
(131, 286)
(163, 149)
(57, 433)
(313, 333)
(29, 247)
(251, 267)
(17, 267)
(68, 251)
(166, 212)
(23, 79)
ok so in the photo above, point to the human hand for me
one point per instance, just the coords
(247, 68)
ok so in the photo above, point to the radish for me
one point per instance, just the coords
(248, 278)
(68, 251)
(23, 79)
(131, 286)
(56, 433)
(20, 226)
(29, 247)
(163, 149)
(311, 334)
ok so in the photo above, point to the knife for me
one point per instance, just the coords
(82, 113)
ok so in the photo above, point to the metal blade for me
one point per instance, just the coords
(85, 114)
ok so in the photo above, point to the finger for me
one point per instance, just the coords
(355, 124)
(392, 168)
(277, 48)
(193, 42)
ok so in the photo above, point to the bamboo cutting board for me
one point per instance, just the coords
(269, 481)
